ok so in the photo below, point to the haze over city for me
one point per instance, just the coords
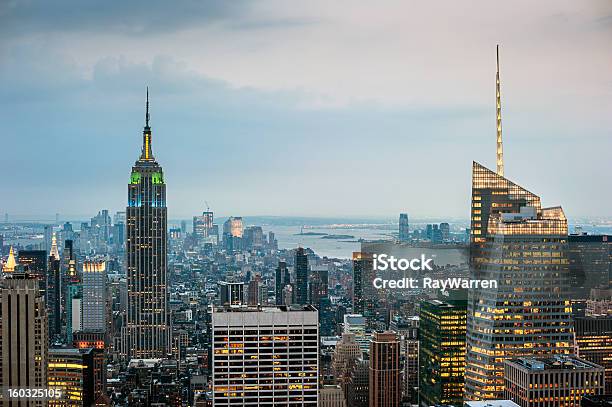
(309, 109)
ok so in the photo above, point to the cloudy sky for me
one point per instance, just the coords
(311, 108)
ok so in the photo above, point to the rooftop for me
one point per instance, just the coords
(553, 363)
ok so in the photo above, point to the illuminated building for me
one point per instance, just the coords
(146, 334)
(442, 352)
(10, 264)
(301, 276)
(404, 228)
(53, 296)
(73, 372)
(266, 356)
(385, 372)
(232, 233)
(523, 247)
(94, 296)
(23, 334)
(202, 225)
(558, 381)
(35, 263)
(364, 294)
(594, 343)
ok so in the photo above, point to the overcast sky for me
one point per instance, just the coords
(317, 108)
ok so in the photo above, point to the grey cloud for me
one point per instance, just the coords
(137, 17)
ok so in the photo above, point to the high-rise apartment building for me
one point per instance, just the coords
(23, 335)
(301, 276)
(523, 248)
(559, 381)
(146, 250)
(442, 328)
(94, 296)
(385, 371)
(404, 228)
(265, 357)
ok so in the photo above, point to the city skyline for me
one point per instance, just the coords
(226, 133)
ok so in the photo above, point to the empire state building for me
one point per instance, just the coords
(146, 335)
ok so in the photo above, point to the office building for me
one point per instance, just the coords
(301, 276)
(357, 389)
(442, 352)
(365, 297)
(35, 263)
(94, 296)
(23, 333)
(265, 356)
(146, 335)
(331, 396)
(404, 229)
(445, 231)
(594, 343)
(523, 248)
(74, 373)
(233, 229)
(53, 292)
(281, 280)
(202, 226)
(347, 350)
(385, 372)
(11, 263)
(559, 381)
(590, 264)
(356, 324)
(231, 293)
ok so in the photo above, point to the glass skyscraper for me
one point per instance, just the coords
(524, 248)
(146, 213)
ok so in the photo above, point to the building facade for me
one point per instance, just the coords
(523, 247)
(265, 356)
(385, 371)
(23, 335)
(559, 381)
(94, 296)
(594, 343)
(442, 352)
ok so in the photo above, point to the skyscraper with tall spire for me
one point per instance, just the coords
(523, 247)
(146, 335)
(500, 146)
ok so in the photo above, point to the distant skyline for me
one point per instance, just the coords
(303, 109)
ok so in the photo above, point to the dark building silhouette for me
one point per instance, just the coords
(301, 276)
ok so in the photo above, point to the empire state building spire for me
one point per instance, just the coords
(500, 146)
(147, 150)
